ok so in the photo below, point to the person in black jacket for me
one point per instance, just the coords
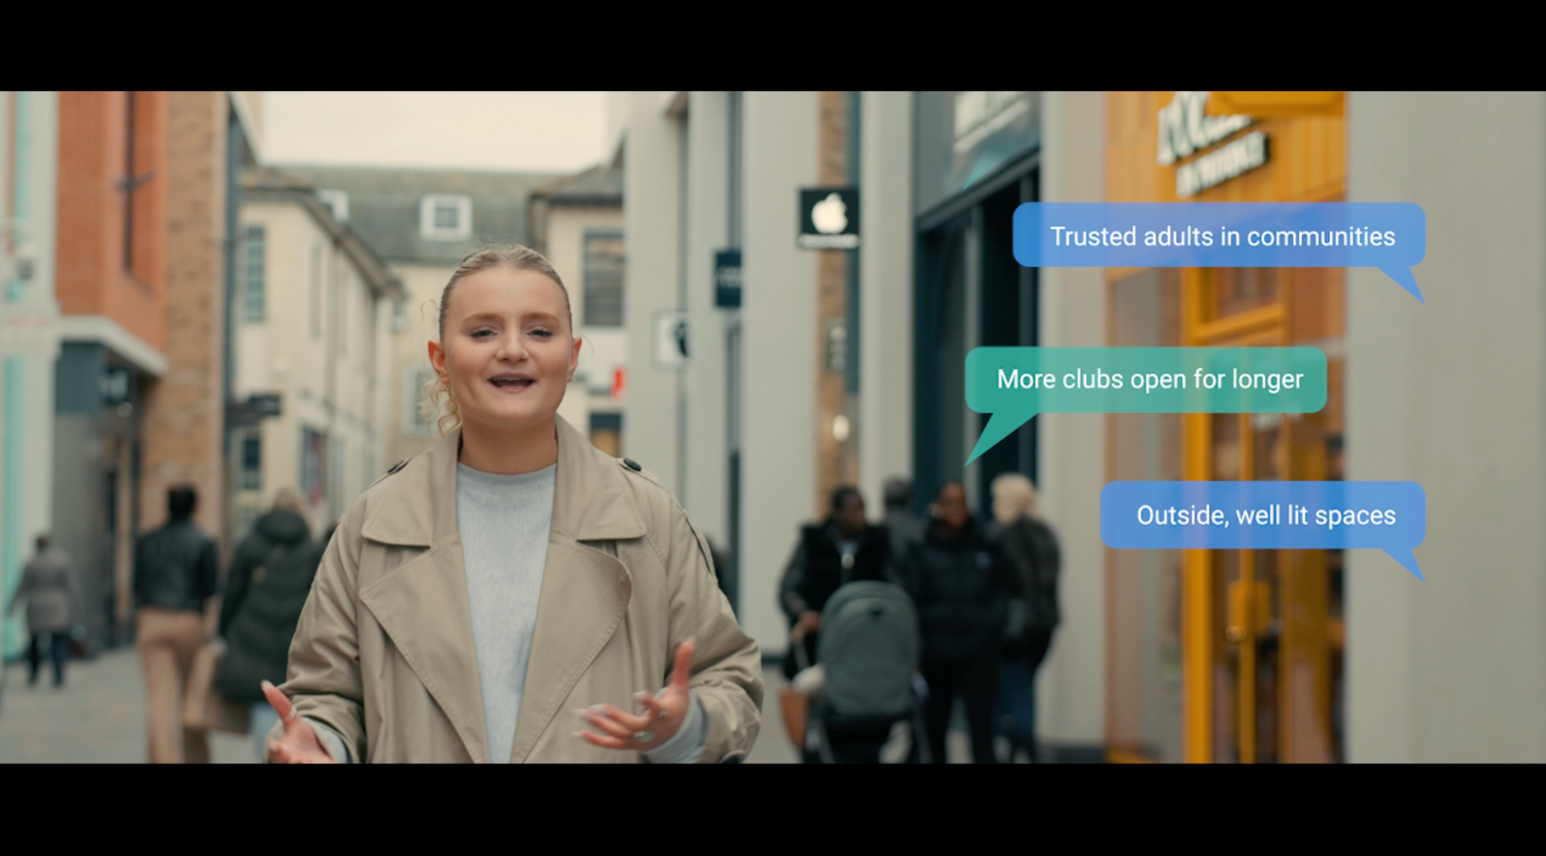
(841, 549)
(961, 584)
(269, 581)
(175, 576)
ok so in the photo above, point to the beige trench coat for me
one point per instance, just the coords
(384, 653)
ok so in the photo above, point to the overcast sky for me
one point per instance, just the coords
(539, 131)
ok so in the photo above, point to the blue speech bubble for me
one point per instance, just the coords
(1391, 236)
(1266, 515)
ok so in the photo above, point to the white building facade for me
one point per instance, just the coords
(312, 323)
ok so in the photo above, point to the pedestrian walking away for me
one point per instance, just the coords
(961, 584)
(52, 593)
(490, 596)
(266, 587)
(175, 578)
(1033, 549)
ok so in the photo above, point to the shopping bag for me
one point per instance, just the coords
(204, 708)
(794, 704)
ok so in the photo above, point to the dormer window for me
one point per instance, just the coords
(336, 202)
(445, 218)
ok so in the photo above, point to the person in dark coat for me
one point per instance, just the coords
(962, 584)
(1033, 548)
(904, 526)
(53, 598)
(269, 581)
(841, 549)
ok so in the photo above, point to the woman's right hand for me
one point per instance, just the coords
(299, 743)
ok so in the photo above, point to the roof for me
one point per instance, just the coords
(595, 186)
(384, 206)
(264, 183)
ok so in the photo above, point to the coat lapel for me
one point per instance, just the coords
(585, 590)
(422, 604)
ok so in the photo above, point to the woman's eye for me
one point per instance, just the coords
(542, 333)
(482, 333)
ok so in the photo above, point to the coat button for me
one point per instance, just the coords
(632, 466)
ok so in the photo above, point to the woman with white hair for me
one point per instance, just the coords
(1032, 547)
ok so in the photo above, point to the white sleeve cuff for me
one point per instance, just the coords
(331, 741)
(686, 745)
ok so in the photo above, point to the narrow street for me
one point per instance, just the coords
(98, 717)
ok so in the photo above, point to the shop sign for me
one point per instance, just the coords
(670, 339)
(727, 279)
(1185, 129)
(837, 346)
(829, 218)
(1216, 167)
(113, 383)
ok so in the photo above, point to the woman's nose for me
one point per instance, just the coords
(511, 348)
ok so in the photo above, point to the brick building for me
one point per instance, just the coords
(143, 211)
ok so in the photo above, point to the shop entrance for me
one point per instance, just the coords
(1262, 633)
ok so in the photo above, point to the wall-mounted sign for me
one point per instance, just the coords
(1216, 167)
(670, 339)
(114, 385)
(1185, 129)
(254, 410)
(829, 218)
(727, 279)
(837, 346)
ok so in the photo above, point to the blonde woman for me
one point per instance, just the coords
(1030, 544)
(514, 594)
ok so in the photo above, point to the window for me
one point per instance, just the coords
(445, 218)
(252, 270)
(603, 280)
(336, 202)
(415, 424)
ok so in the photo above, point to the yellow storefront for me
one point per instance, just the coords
(1225, 656)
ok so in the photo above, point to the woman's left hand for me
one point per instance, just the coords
(662, 717)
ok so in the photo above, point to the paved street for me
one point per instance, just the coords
(99, 718)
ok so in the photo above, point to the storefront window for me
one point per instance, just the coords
(965, 136)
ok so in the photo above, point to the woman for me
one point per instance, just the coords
(1033, 549)
(266, 588)
(53, 608)
(513, 576)
(961, 585)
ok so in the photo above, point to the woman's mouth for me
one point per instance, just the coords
(512, 383)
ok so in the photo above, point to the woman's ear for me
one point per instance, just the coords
(437, 360)
(574, 357)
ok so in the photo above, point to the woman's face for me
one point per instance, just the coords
(506, 350)
(952, 506)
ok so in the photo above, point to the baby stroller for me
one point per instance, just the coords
(868, 652)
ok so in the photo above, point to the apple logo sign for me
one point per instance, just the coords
(830, 215)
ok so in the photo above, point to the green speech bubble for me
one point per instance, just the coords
(1015, 384)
